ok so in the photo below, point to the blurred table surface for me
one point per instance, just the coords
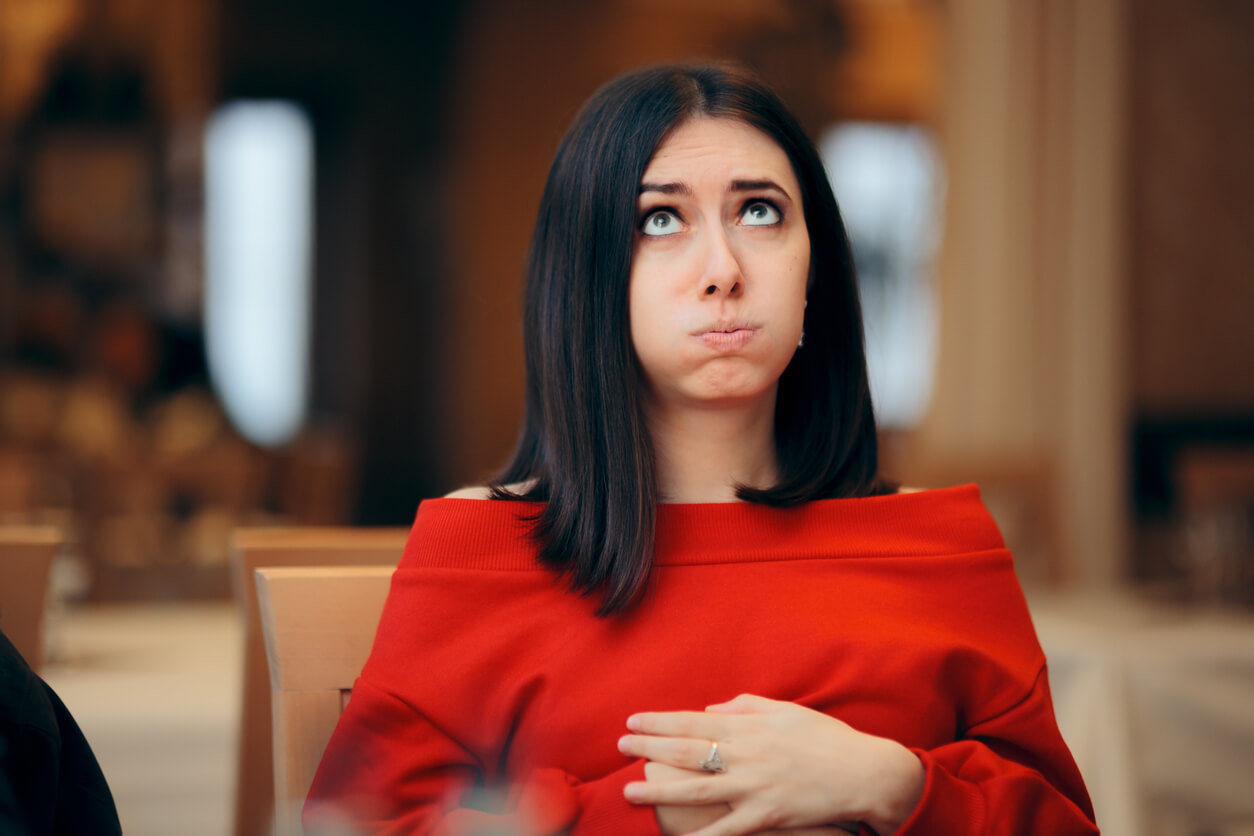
(1156, 702)
(155, 689)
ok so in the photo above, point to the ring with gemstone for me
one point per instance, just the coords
(712, 762)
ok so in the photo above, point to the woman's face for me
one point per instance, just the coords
(719, 271)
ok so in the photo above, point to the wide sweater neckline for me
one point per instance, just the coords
(495, 534)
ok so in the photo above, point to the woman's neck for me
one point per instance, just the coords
(704, 453)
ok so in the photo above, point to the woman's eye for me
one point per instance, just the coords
(660, 223)
(760, 213)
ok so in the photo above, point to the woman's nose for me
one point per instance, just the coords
(722, 276)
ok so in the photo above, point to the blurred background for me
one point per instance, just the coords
(260, 265)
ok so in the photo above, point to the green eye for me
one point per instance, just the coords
(760, 213)
(662, 222)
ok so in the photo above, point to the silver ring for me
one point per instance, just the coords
(712, 762)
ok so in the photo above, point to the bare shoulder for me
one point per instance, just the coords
(485, 492)
(905, 489)
(472, 492)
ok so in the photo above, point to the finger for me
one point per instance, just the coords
(682, 752)
(690, 793)
(696, 724)
(739, 821)
(745, 704)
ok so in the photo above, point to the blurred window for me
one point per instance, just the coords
(889, 183)
(258, 217)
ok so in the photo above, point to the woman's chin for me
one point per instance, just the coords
(729, 383)
(730, 394)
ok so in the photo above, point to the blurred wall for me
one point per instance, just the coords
(1031, 385)
(1096, 265)
(374, 77)
(1192, 207)
(1191, 264)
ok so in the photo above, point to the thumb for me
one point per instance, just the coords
(745, 704)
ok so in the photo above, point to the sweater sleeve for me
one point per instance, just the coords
(1009, 775)
(388, 770)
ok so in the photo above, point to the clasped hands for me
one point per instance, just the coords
(789, 769)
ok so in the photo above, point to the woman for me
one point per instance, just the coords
(689, 604)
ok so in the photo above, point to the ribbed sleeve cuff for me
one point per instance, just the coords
(948, 805)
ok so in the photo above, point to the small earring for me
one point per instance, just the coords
(802, 339)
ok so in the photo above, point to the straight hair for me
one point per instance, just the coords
(585, 448)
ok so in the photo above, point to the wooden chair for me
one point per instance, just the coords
(26, 554)
(319, 623)
(251, 549)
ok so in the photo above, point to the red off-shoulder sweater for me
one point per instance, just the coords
(492, 687)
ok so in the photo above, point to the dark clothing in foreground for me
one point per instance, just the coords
(50, 782)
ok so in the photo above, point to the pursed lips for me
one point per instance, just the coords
(729, 336)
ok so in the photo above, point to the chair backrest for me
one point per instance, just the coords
(319, 623)
(26, 554)
(251, 549)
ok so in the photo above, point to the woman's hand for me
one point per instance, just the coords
(787, 767)
(675, 820)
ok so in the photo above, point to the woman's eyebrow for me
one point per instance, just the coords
(666, 188)
(757, 185)
(736, 186)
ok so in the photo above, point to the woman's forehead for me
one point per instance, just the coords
(717, 145)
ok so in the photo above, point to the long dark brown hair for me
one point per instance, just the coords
(585, 449)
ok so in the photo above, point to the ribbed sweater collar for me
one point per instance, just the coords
(493, 534)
